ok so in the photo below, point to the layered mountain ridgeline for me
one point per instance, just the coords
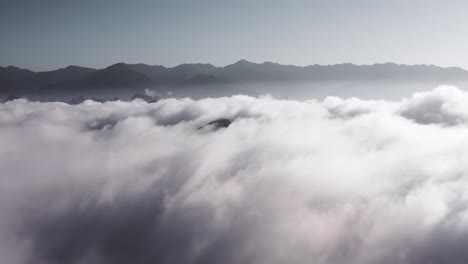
(20, 80)
(136, 77)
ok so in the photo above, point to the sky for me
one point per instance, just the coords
(50, 34)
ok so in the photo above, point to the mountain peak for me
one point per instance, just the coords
(243, 62)
(74, 67)
(243, 71)
(118, 65)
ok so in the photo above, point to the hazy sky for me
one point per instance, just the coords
(49, 34)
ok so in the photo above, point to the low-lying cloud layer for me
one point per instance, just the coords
(333, 181)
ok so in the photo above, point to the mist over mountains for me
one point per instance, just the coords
(130, 78)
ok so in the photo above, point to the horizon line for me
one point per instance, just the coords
(239, 61)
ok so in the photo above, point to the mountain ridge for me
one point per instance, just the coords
(243, 61)
(140, 75)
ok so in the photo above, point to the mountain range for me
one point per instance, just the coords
(14, 80)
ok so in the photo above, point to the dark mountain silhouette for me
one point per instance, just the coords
(245, 71)
(116, 76)
(17, 80)
(64, 74)
(156, 73)
(6, 84)
(16, 74)
(186, 71)
(20, 80)
(144, 97)
(161, 75)
(11, 98)
(135, 77)
(77, 100)
(200, 79)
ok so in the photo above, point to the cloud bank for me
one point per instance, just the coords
(333, 181)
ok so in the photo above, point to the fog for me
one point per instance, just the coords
(372, 89)
(333, 180)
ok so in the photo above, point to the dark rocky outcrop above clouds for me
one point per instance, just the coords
(217, 124)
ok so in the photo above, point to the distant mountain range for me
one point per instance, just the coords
(14, 80)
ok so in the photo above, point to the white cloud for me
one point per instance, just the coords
(444, 105)
(338, 181)
(151, 93)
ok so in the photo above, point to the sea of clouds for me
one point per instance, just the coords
(334, 181)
